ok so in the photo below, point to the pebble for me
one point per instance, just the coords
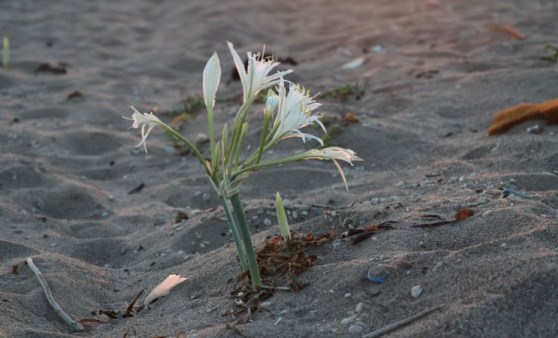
(266, 304)
(416, 291)
(355, 329)
(359, 307)
(201, 138)
(536, 129)
(400, 184)
(347, 295)
(348, 320)
(437, 266)
(267, 221)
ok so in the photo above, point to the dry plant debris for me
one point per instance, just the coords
(507, 118)
(280, 262)
(461, 215)
(367, 231)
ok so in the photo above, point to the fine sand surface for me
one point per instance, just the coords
(438, 72)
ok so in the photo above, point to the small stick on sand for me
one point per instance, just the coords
(72, 323)
(401, 323)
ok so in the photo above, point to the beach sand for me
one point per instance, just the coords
(433, 73)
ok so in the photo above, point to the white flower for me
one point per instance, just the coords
(256, 77)
(211, 78)
(294, 112)
(144, 120)
(335, 154)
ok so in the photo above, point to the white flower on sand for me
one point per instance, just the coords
(211, 78)
(144, 120)
(164, 287)
(334, 154)
(256, 77)
(294, 112)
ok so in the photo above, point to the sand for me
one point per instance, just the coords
(433, 75)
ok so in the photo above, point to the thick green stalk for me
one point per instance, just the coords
(236, 235)
(250, 253)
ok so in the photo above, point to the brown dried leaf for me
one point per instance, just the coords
(15, 268)
(350, 117)
(130, 312)
(508, 30)
(464, 214)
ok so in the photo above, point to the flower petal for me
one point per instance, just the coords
(211, 79)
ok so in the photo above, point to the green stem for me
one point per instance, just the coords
(250, 253)
(294, 158)
(189, 145)
(211, 130)
(235, 233)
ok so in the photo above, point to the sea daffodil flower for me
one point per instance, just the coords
(144, 121)
(294, 112)
(255, 78)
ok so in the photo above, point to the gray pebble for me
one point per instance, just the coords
(355, 329)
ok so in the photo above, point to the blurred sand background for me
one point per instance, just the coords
(433, 73)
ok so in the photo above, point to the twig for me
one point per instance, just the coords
(67, 319)
(401, 323)
(268, 287)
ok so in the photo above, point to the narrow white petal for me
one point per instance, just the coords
(239, 66)
(342, 174)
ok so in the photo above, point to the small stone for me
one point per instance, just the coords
(503, 245)
(359, 307)
(536, 129)
(201, 138)
(347, 295)
(416, 291)
(267, 221)
(400, 184)
(348, 320)
(266, 304)
(355, 329)
(437, 266)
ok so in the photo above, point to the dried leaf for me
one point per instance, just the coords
(550, 110)
(508, 30)
(60, 68)
(510, 117)
(130, 333)
(350, 117)
(130, 309)
(464, 214)
(15, 268)
(164, 287)
(137, 189)
(432, 224)
(309, 237)
(362, 237)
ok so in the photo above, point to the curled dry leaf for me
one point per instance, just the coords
(507, 118)
(164, 287)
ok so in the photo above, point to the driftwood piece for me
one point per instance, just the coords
(53, 304)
